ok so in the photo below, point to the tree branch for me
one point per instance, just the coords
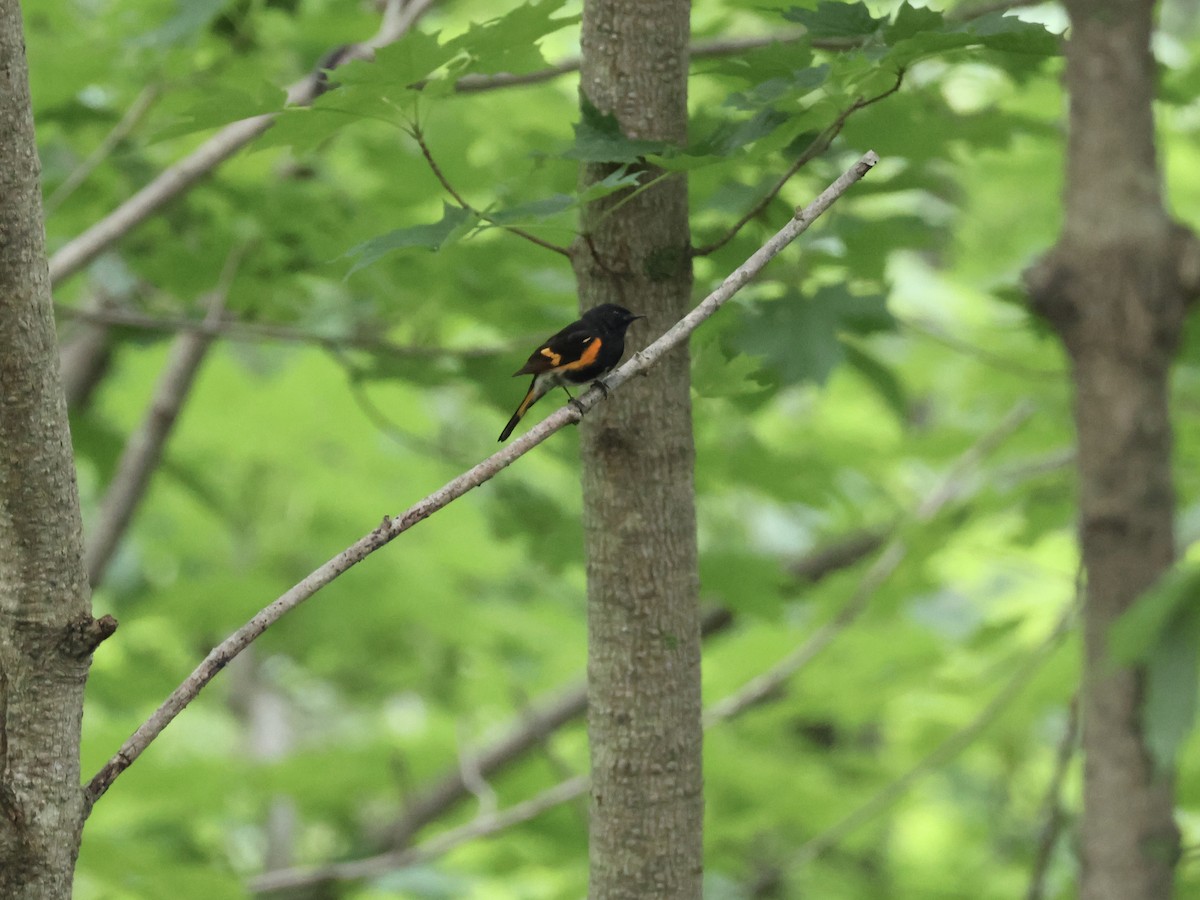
(143, 450)
(233, 329)
(534, 727)
(129, 121)
(545, 717)
(472, 84)
(389, 529)
(1052, 811)
(549, 715)
(399, 18)
(956, 482)
(945, 751)
(837, 555)
(481, 826)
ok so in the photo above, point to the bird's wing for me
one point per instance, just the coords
(569, 346)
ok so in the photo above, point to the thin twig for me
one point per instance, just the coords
(837, 555)
(1052, 816)
(233, 329)
(144, 448)
(419, 137)
(816, 147)
(956, 482)
(399, 18)
(537, 723)
(481, 826)
(176, 179)
(472, 776)
(472, 84)
(546, 717)
(987, 357)
(382, 421)
(129, 121)
(389, 529)
(945, 751)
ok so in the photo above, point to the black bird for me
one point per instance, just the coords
(581, 352)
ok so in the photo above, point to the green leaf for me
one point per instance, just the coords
(882, 378)
(917, 33)
(716, 373)
(548, 207)
(407, 63)
(998, 31)
(781, 59)
(1162, 631)
(220, 105)
(799, 337)
(192, 19)
(455, 222)
(1172, 672)
(835, 20)
(611, 183)
(912, 20)
(731, 137)
(598, 138)
(743, 581)
(509, 43)
(1138, 631)
(304, 128)
(773, 90)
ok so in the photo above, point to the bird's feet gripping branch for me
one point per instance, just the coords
(581, 353)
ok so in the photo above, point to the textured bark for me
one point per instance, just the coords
(1115, 288)
(639, 516)
(46, 631)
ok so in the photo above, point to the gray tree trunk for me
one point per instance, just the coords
(1115, 288)
(639, 516)
(46, 630)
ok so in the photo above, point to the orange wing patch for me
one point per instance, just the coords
(587, 357)
(555, 358)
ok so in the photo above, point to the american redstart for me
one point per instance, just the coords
(581, 352)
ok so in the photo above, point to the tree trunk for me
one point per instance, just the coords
(1115, 290)
(638, 454)
(46, 631)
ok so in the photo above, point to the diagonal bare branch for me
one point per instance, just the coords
(945, 751)
(543, 719)
(144, 448)
(956, 482)
(237, 330)
(391, 528)
(1052, 814)
(129, 121)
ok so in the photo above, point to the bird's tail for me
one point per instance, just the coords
(535, 392)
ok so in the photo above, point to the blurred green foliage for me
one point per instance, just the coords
(834, 395)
